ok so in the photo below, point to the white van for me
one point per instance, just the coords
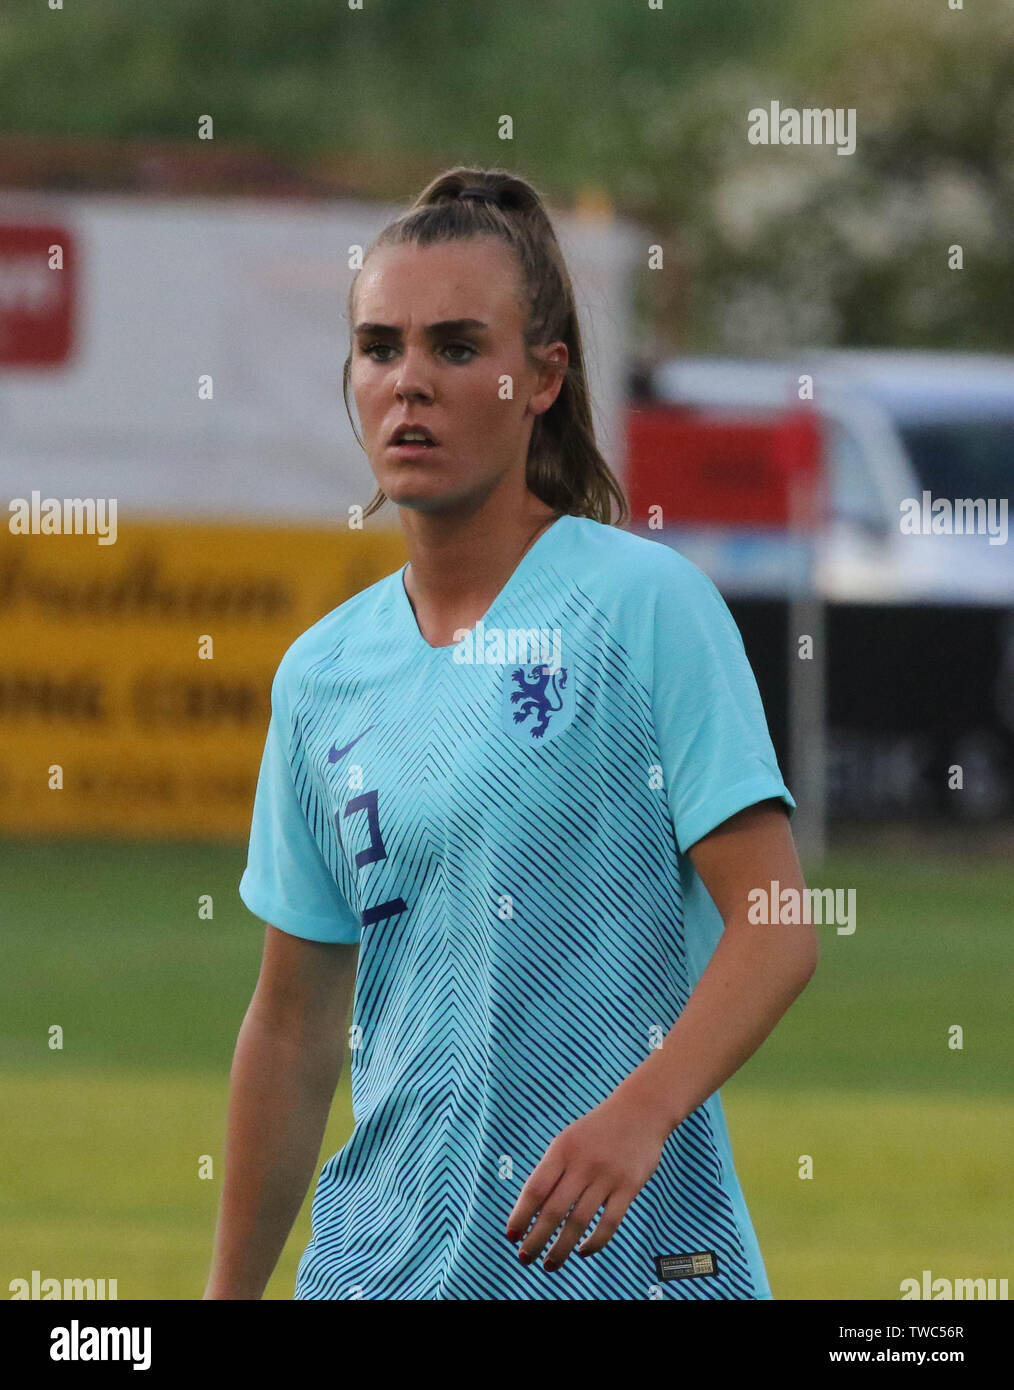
(897, 425)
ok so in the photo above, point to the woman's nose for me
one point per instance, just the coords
(413, 379)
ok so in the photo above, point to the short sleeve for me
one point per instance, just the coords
(287, 882)
(717, 755)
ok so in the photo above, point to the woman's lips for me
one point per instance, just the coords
(413, 449)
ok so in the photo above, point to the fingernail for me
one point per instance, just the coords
(513, 1235)
(550, 1265)
(525, 1258)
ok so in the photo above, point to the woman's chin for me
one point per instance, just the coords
(421, 493)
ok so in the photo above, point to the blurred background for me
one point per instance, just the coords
(784, 344)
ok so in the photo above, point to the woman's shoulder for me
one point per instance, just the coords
(328, 634)
(633, 562)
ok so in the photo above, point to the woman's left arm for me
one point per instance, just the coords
(754, 974)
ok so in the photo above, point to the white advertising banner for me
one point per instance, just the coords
(160, 292)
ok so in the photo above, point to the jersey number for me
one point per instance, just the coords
(375, 850)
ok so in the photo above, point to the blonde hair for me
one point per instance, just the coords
(564, 467)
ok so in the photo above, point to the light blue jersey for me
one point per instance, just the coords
(503, 826)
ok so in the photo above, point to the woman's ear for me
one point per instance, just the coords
(554, 360)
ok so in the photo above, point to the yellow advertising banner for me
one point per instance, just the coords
(135, 677)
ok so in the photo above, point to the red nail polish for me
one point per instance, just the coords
(550, 1265)
(512, 1234)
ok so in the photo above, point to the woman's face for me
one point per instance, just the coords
(435, 331)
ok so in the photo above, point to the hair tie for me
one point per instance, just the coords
(479, 195)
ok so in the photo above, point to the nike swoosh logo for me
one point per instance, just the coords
(337, 753)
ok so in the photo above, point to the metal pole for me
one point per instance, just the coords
(807, 686)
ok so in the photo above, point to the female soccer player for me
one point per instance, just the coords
(514, 796)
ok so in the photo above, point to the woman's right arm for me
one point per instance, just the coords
(284, 1073)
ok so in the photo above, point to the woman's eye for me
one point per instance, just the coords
(370, 350)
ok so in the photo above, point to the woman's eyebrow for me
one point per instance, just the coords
(433, 330)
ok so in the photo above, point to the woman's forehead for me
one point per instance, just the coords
(446, 280)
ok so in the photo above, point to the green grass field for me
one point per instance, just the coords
(100, 1143)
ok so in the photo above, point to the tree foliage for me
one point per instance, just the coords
(767, 248)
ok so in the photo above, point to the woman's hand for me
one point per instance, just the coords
(604, 1158)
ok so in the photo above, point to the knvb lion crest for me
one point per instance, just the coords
(538, 702)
